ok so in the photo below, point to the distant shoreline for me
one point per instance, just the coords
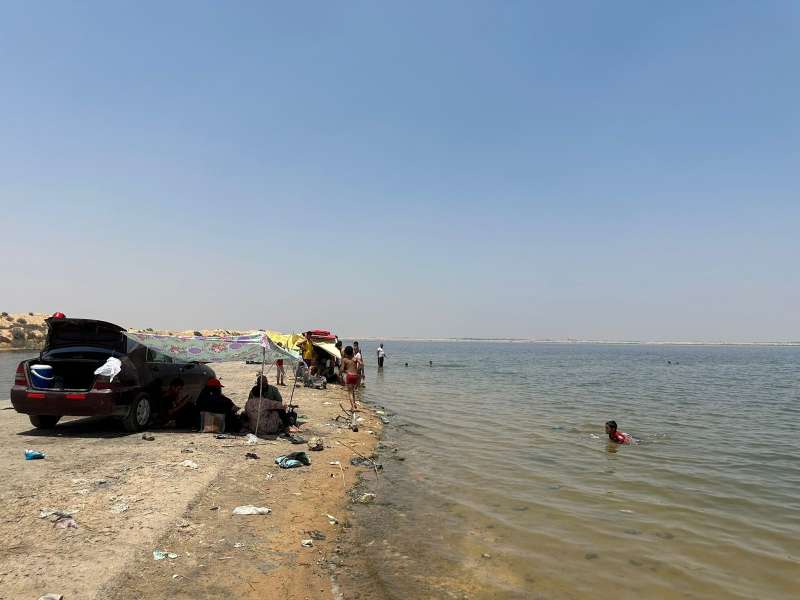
(566, 342)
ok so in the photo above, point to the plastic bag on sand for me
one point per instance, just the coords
(162, 554)
(51, 597)
(111, 369)
(251, 510)
(252, 439)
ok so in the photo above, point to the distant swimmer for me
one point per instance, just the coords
(430, 363)
(406, 364)
(618, 437)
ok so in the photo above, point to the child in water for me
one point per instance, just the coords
(618, 437)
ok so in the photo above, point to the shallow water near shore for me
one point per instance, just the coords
(508, 488)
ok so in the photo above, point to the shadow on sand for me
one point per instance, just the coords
(88, 427)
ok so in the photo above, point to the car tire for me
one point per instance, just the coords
(44, 421)
(139, 413)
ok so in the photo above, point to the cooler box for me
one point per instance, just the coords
(41, 376)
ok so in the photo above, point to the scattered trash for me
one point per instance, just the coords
(251, 455)
(148, 437)
(316, 535)
(316, 444)
(223, 436)
(59, 518)
(367, 498)
(296, 439)
(252, 439)
(360, 461)
(270, 475)
(187, 451)
(485, 555)
(307, 543)
(189, 464)
(238, 545)
(52, 597)
(332, 520)
(626, 511)
(119, 507)
(162, 554)
(326, 403)
(251, 510)
(594, 436)
(292, 460)
(33, 455)
(175, 576)
(384, 420)
(214, 508)
(334, 462)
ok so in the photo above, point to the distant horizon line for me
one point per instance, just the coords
(511, 340)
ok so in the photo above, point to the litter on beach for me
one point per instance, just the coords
(292, 460)
(251, 510)
(34, 455)
(189, 464)
(162, 554)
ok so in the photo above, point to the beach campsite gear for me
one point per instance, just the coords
(41, 376)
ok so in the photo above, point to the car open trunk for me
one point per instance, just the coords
(69, 373)
(74, 349)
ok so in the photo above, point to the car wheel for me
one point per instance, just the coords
(139, 413)
(44, 421)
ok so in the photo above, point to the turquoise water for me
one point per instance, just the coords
(505, 456)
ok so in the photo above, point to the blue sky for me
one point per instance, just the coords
(615, 170)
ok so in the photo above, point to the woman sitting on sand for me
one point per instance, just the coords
(352, 378)
(275, 416)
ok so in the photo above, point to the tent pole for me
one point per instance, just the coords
(261, 386)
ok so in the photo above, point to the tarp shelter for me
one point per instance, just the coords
(291, 341)
(253, 346)
(328, 347)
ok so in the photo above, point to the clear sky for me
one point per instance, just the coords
(616, 170)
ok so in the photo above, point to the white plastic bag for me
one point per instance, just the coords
(111, 368)
(251, 510)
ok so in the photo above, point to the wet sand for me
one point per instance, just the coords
(93, 469)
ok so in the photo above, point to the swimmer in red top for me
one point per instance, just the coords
(618, 437)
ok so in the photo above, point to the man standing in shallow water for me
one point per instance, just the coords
(381, 355)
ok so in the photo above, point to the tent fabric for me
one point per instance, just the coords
(329, 347)
(215, 348)
(290, 341)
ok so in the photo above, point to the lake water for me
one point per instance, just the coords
(8, 366)
(505, 456)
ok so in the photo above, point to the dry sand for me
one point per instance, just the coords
(130, 496)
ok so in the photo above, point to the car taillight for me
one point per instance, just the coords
(102, 382)
(20, 378)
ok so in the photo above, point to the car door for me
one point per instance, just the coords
(194, 378)
(161, 369)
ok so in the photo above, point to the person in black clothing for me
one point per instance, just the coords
(211, 399)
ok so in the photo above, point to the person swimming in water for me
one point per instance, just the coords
(618, 437)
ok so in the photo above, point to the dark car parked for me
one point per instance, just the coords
(74, 349)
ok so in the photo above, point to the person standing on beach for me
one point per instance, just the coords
(352, 378)
(308, 353)
(359, 358)
(280, 372)
(381, 355)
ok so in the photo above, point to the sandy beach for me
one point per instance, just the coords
(129, 497)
